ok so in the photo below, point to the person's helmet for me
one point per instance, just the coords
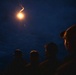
(34, 53)
(18, 53)
(70, 33)
(51, 47)
(51, 50)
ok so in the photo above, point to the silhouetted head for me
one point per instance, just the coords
(34, 56)
(69, 37)
(18, 53)
(51, 50)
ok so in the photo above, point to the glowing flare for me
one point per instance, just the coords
(20, 15)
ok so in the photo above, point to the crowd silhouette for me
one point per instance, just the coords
(33, 66)
(51, 66)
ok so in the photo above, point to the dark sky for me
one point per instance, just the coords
(44, 21)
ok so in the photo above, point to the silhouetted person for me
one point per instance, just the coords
(17, 67)
(69, 67)
(49, 66)
(33, 67)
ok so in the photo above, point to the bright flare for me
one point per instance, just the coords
(20, 15)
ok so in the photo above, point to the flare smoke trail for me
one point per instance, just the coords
(22, 8)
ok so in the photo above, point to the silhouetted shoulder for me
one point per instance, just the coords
(43, 63)
(28, 66)
(69, 68)
(50, 63)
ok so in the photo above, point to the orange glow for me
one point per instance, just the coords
(20, 16)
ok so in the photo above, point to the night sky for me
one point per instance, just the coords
(44, 21)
